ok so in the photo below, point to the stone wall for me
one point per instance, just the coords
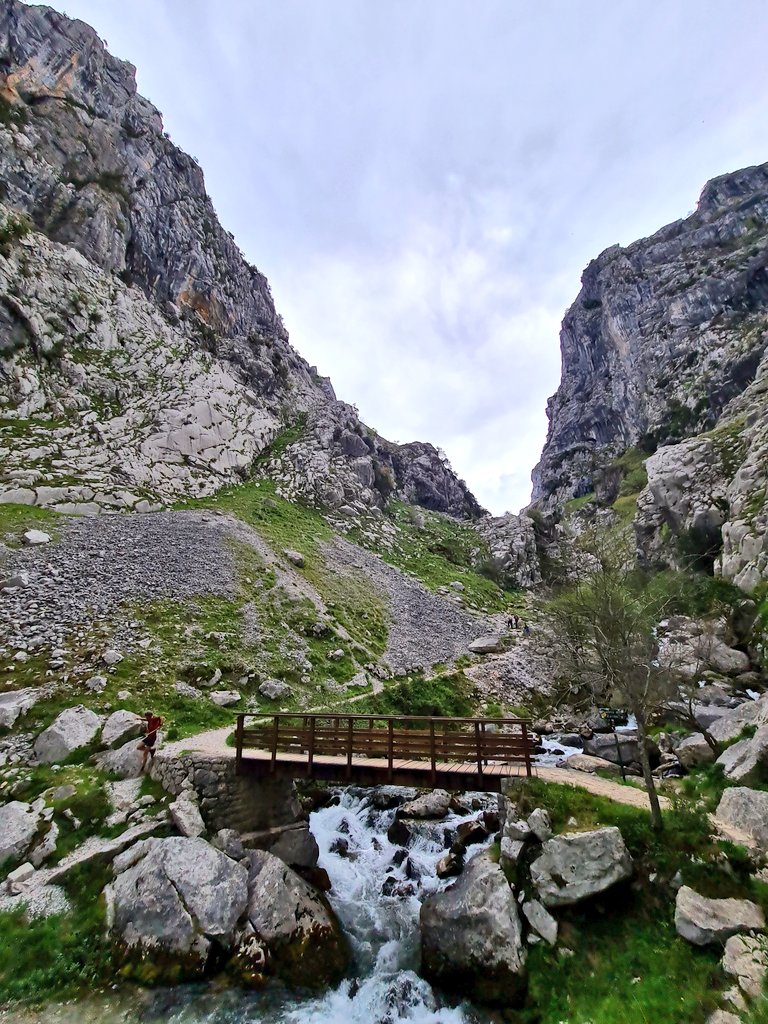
(228, 800)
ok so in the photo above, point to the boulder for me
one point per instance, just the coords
(471, 936)
(540, 919)
(510, 851)
(723, 1017)
(121, 726)
(274, 689)
(540, 824)
(609, 745)
(746, 810)
(175, 901)
(228, 840)
(185, 815)
(185, 690)
(730, 725)
(71, 731)
(578, 865)
(111, 657)
(746, 959)
(17, 703)
(225, 698)
(435, 804)
(745, 760)
(296, 847)
(306, 946)
(35, 537)
(124, 762)
(704, 921)
(694, 751)
(586, 763)
(487, 645)
(15, 582)
(518, 831)
(295, 557)
(19, 824)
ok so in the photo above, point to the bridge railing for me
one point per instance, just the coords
(386, 740)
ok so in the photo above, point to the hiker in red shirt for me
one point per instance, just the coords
(147, 745)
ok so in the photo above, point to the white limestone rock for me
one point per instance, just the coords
(120, 726)
(578, 865)
(16, 703)
(72, 730)
(746, 959)
(704, 921)
(19, 825)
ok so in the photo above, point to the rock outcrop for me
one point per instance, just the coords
(704, 921)
(577, 865)
(172, 904)
(665, 348)
(471, 936)
(142, 356)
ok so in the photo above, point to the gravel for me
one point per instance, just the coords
(424, 627)
(97, 565)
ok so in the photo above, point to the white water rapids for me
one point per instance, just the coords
(383, 986)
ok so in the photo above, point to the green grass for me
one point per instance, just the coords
(58, 956)
(576, 504)
(629, 966)
(450, 695)
(17, 519)
(440, 552)
(629, 963)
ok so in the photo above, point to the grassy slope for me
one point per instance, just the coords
(629, 963)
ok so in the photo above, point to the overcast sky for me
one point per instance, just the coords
(423, 181)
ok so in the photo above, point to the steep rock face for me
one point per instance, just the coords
(665, 348)
(142, 356)
(336, 461)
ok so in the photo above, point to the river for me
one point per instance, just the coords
(377, 902)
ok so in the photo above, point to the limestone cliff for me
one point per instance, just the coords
(142, 356)
(664, 355)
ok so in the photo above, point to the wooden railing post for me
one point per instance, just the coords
(311, 747)
(479, 750)
(275, 730)
(432, 751)
(239, 742)
(390, 748)
(350, 727)
(527, 751)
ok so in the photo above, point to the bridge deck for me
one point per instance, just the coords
(451, 753)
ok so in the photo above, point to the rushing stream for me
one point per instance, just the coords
(377, 902)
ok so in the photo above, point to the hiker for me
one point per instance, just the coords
(153, 724)
(526, 629)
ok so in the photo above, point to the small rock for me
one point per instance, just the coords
(540, 824)
(111, 657)
(96, 684)
(225, 698)
(295, 557)
(274, 689)
(541, 920)
(746, 959)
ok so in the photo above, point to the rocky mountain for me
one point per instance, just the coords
(664, 362)
(143, 359)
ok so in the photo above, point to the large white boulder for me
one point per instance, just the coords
(487, 645)
(704, 921)
(185, 815)
(732, 724)
(70, 731)
(125, 761)
(172, 901)
(471, 936)
(35, 537)
(121, 726)
(694, 751)
(746, 959)
(19, 825)
(294, 922)
(747, 810)
(430, 805)
(577, 865)
(16, 703)
(745, 760)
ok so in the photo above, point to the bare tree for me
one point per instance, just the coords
(605, 629)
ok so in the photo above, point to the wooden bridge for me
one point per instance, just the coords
(370, 750)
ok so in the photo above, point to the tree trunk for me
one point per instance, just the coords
(650, 782)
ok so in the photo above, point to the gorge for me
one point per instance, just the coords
(193, 525)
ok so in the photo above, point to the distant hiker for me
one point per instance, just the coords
(517, 621)
(513, 622)
(152, 725)
(526, 629)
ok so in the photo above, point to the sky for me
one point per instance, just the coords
(423, 181)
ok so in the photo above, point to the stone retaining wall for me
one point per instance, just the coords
(228, 800)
